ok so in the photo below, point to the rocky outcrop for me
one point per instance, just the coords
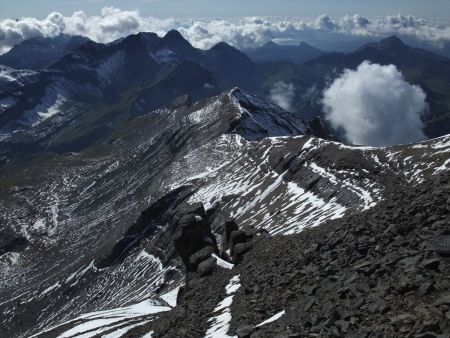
(194, 241)
(145, 227)
(382, 273)
(196, 244)
(242, 241)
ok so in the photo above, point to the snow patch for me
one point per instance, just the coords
(13, 75)
(49, 105)
(39, 225)
(102, 321)
(5, 75)
(120, 332)
(54, 210)
(164, 55)
(151, 258)
(444, 142)
(206, 114)
(365, 196)
(223, 264)
(8, 260)
(7, 103)
(51, 288)
(52, 110)
(171, 297)
(272, 319)
(443, 167)
(76, 275)
(220, 323)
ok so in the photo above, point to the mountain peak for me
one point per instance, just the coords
(147, 35)
(235, 90)
(174, 40)
(392, 41)
(273, 52)
(223, 50)
(151, 40)
(138, 37)
(270, 44)
(222, 46)
(389, 45)
(174, 36)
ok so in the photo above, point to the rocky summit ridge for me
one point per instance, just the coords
(226, 217)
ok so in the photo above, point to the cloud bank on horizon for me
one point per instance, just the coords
(113, 23)
(375, 106)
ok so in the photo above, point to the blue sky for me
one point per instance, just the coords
(429, 9)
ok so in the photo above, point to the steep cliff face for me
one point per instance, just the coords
(104, 247)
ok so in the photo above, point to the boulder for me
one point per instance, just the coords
(404, 318)
(425, 288)
(431, 264)
(442, 245)
(442, 300)
(236, 237)
(239, 251)
(244, 331)
(206, 267)
(229, 227)
(201, 255)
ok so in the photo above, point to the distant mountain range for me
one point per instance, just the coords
(272, 52)
(81, 91)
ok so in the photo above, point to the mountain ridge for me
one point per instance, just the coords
(273, 52)
(108, 216)
(41, 52)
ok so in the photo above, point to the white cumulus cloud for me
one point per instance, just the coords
(113, 23)
(375, 106)
(282, 94)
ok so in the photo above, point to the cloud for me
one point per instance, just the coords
(113, 23)
(282, 94)
(375, 106)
